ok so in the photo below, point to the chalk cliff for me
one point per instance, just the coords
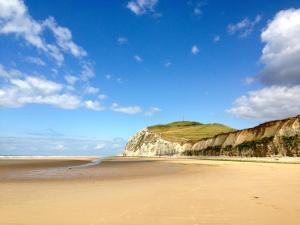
(274, 138)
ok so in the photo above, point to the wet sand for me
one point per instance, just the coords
(147, 191)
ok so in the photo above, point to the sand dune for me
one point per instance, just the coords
(139, 191)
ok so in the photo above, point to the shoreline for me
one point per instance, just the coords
(281, 160)
(284, 160)
(46, 157)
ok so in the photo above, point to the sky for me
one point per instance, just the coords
(81, 77)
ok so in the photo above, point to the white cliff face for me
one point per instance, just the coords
(147, 143)
(280, 138)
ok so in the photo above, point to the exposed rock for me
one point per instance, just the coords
(275, 138)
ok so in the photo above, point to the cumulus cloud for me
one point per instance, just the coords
(102, 97)
(94, 105)
(23, 89)
(87, 71)
(195, 50)
(64, 38)
(268, 103)
(128, 109)
(30, 91)
(141, 7)
(71, 80)
(8, 74)
(152, 111)
(281, 73)
(15, 19)
(91, 90)
(244, 27)
(281, 53)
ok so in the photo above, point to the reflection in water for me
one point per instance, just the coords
(44, 171)
(91, 163)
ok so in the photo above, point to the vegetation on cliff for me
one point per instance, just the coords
(273, 138)
(189, 131)
(253, 148)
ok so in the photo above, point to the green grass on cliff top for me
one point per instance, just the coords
(188, 131)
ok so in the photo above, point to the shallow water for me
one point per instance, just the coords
(72, 168)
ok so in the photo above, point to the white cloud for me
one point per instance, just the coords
(216, 38)
(15, 19)
(55, 53)
(141, 7)
(23, 89)
(152, 111)
(59, 147)
(91, 90)
(87, 71)
(35, 84)
(94, 105)
(16, 96)
(100, 146)
(281, 53)
(250, 80)
(281, 74)
(195, 50)
(122, 40)
(128, 110)
(138, 58)
(20, 89)
(244, 27)
(268, 103)
(35, 60)
(8, 74)
(102, 97)
(71, 80)
(64, 38)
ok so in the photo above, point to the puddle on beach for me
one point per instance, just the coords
(20, 169)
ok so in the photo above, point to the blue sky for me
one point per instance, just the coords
(79, 78)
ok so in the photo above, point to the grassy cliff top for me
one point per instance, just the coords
(185, 131)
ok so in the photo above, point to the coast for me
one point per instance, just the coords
(137, 191)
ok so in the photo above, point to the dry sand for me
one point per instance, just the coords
(143, 192)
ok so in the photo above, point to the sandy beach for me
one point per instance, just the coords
(127, 191)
